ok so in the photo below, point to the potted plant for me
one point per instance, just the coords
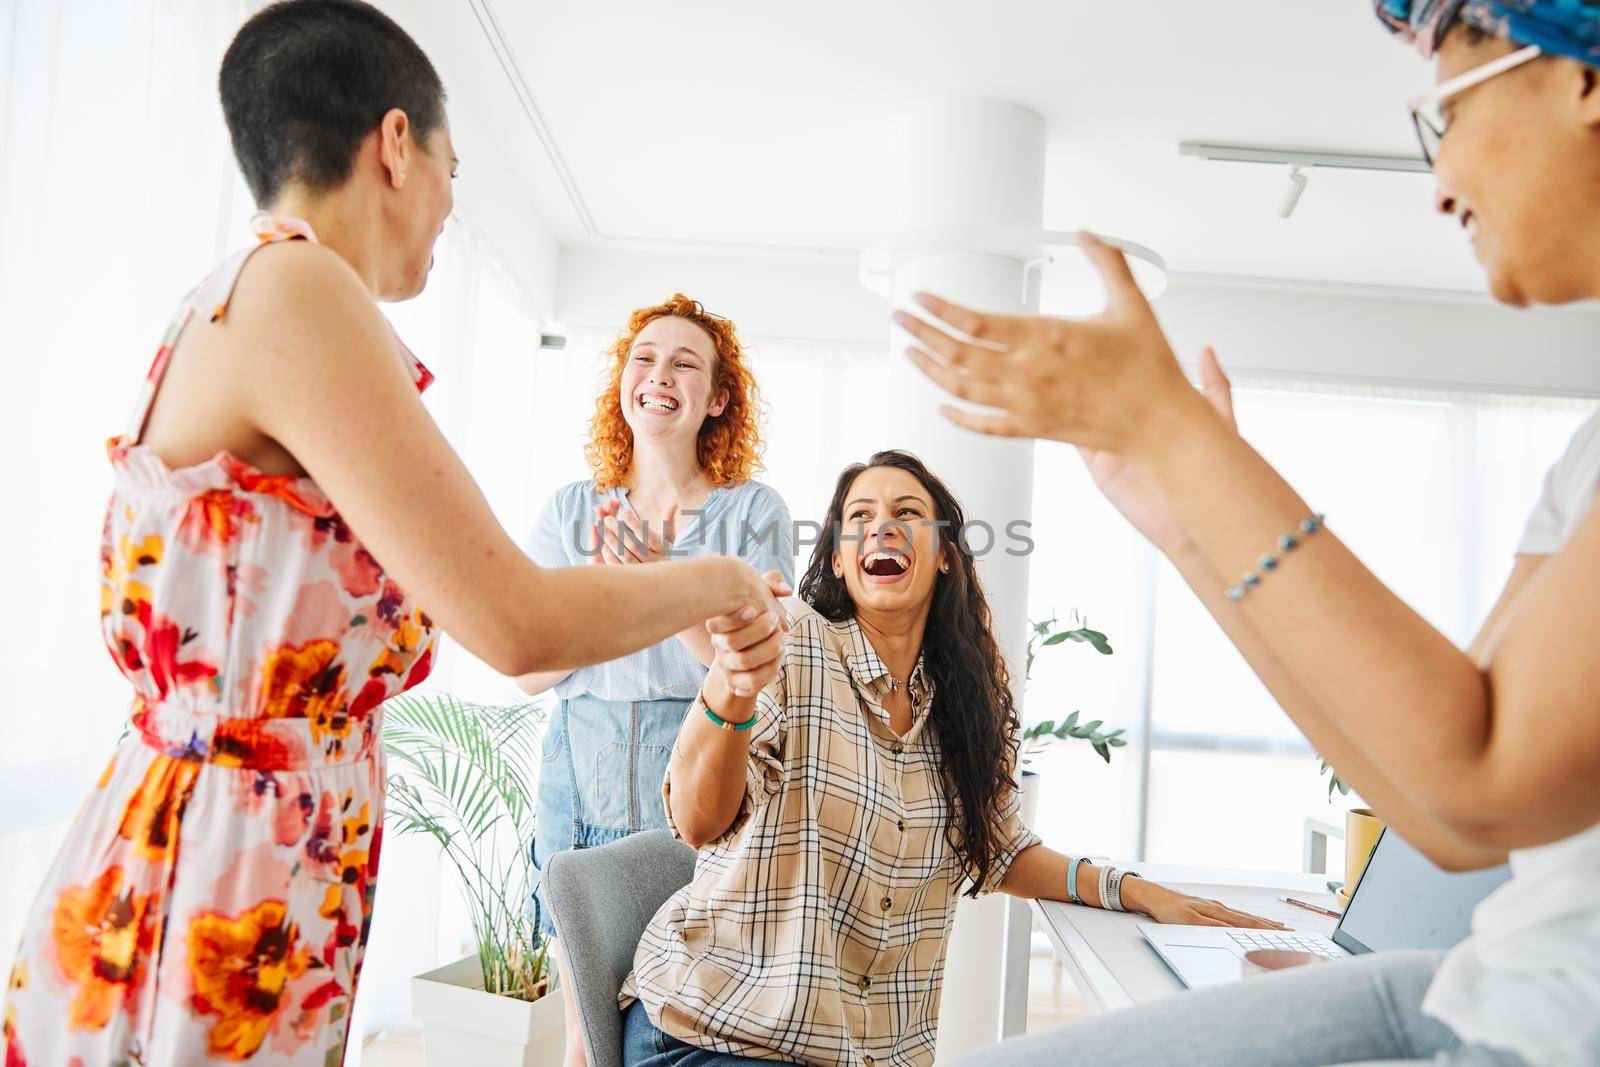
(465, 775)
(1361, 830)
(1041, 735)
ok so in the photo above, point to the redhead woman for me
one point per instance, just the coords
(673, 446)
(288, 533)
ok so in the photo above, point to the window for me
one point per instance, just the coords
(1430, 491)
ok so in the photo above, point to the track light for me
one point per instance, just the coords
(1292, 192)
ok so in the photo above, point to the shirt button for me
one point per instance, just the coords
(900, 824)
(898, 748)
(867, 1061)
(865, 983)
(886, 903)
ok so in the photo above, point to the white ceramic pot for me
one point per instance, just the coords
(461, 1024)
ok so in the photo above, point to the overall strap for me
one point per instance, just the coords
(211, 298)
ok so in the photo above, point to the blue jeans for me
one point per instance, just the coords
(600, 777)
(643, 1045)
(1363, 1011)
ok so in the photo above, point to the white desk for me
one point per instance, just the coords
(1115, 966)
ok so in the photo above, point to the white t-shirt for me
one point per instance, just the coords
(1528, 979)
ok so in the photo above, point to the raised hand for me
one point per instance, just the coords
(1105, 383)
(1129, 489)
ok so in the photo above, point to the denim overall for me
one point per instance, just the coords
(603, 763)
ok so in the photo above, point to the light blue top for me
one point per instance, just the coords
(750, 521)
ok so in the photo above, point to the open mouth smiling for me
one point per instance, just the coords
(658, 403)
(885, 566)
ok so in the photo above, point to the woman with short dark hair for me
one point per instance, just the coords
(287, 533)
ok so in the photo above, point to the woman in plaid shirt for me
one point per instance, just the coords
(845, 785)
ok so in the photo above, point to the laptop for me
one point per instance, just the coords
(1401, 901)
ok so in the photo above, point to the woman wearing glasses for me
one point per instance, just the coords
(673, 445)
(1469, 755)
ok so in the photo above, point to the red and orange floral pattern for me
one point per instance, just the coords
(243, 968)
(212, 902)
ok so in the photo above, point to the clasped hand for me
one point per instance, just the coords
(749, 643)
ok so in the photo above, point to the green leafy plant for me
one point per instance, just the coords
(465, 775)
(1334, 781)
(1035, 738)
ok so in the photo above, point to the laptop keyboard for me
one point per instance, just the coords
(1288, 940)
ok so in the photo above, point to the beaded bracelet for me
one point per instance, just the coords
(724, 723)
(1269, 562)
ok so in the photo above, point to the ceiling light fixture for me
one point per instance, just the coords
(1300, 163)
(1288, 157)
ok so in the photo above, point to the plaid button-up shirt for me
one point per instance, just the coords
(815, 929)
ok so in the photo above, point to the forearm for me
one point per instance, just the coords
(636, 607)
(1389, 797)
(537, 682)
(698, 642)
(707, 771)
(1414, 704)
(1039, 873)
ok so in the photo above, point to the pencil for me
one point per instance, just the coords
(1319, 909)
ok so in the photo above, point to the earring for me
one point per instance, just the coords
(944, 568)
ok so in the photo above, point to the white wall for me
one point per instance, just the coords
(1262, 329)
(502, 179)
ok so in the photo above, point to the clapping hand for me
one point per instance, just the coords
(617, 536)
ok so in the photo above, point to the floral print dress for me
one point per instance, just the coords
(212, 901)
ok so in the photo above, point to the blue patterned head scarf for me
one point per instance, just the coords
(1559, 27)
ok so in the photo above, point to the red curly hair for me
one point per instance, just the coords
(729, 447)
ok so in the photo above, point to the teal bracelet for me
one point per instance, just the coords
(1072, 879)
(1269, 562)
(724, 723)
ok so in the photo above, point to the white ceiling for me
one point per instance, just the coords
(774, 124)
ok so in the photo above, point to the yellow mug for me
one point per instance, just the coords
(1361, 830)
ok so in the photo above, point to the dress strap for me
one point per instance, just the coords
(211, 297)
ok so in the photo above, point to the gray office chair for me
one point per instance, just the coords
(601, 899)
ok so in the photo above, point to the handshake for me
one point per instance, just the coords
(746, 644)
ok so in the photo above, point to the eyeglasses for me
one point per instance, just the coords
(1427, 114)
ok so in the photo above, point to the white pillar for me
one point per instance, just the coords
(977, 164)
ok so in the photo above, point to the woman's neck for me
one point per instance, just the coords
(896, 638)
(344, 221)
(669, 474)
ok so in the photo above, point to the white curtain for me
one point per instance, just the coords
(117, 191)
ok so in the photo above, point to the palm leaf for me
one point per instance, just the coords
(465, 775)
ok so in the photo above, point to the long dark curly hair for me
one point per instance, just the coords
(974, 718)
